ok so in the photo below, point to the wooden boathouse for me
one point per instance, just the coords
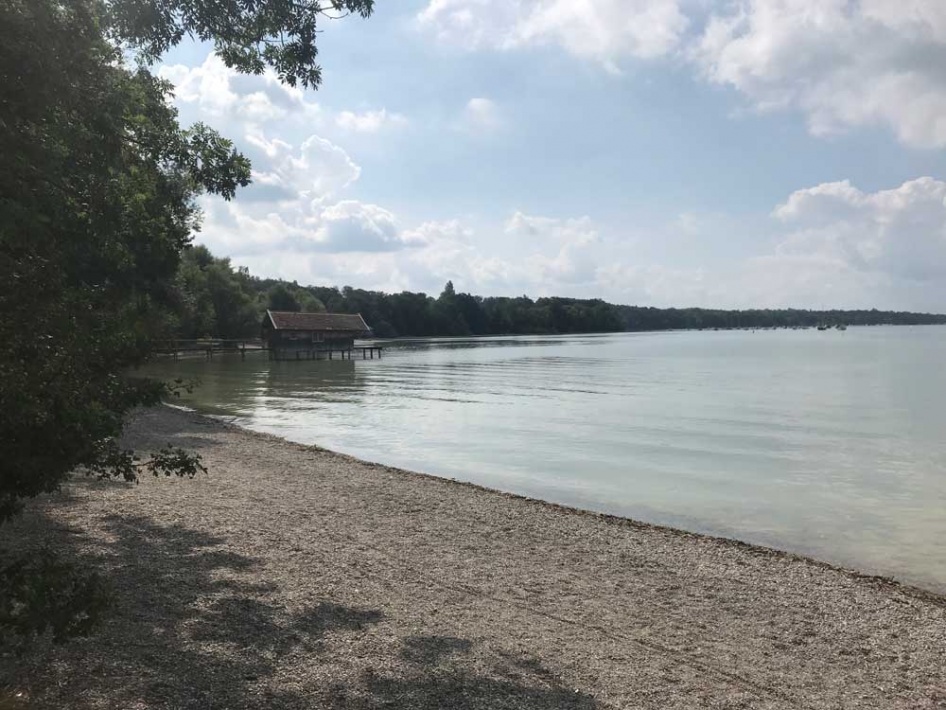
(288, 335)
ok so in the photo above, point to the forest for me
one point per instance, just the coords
(213, 299)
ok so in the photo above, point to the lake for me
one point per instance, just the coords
(830, 444)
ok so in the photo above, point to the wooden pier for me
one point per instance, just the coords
(209, 347)
(367, 353)
(289, 335)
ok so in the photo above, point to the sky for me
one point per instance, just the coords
(715, 153)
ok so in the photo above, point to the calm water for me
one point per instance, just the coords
(830, 444)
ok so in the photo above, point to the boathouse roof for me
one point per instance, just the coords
(290, 320)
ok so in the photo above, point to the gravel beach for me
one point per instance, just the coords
(294, 577)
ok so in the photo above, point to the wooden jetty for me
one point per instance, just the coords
(288, 336)
(367, 353)
(208, 347)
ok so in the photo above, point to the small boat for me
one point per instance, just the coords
(823, 326)
(841, 326)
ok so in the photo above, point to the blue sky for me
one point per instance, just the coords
(660, 152)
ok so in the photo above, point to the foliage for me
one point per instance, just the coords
(40, 593)
(211, 298)
(98, 201)
(292, 297)
(97, 205)
(282, 299)
(248, 35)
(459, 314)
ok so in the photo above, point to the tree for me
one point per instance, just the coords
(97, 203)
(282, 299)
(248, 35)
(452, 313)
(98, 196)
(194, 308)
(309, 303)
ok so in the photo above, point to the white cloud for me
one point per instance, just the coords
(600, 30)
(835, 246)
(452, 230)
(271, 148)
(352, 243)
(317, 171)
(449, 253)
(832, 245)
(566, 251)
(576, 231)
(900, 233)
(293, 206)
(355, 226)
(843, 64)
(656, 285)
(369, 121)
(219, 91)
(251, 230)
(231, 98)
(482, 115)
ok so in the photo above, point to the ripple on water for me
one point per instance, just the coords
(824, 443)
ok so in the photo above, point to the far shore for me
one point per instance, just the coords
(294, 577)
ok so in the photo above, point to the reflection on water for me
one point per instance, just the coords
(829, 444)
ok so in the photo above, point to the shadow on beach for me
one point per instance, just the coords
(196, 625)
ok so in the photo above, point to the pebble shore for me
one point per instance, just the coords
(294, 577)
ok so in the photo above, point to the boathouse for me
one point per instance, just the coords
(306, 336)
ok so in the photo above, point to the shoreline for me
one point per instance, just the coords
(291, 576)
(931, 595)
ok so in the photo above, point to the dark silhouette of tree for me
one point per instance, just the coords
(248, 36)
(98, 193)
(282, 299)
(459, 314)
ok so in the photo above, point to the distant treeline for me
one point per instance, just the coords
(213, 299)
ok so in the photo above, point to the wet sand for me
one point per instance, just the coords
(294, 577)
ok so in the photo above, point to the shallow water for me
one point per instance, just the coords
(825, 443)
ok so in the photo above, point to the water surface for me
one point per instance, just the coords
(824, 443)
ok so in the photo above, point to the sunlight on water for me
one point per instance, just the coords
(830, 444)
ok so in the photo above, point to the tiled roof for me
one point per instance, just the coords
(289, 320)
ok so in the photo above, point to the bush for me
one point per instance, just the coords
(42, 593)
